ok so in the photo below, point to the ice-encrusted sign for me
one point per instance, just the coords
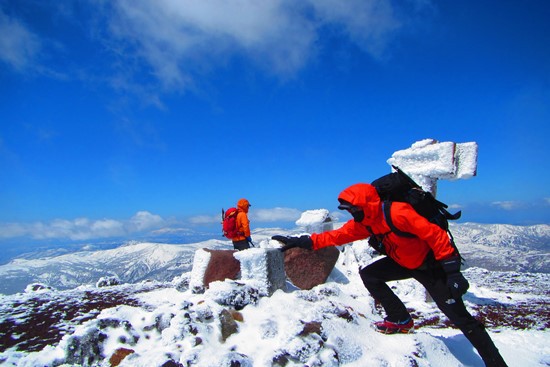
(315, 221)
(428, 160)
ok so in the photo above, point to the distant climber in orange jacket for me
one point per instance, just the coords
(243, 239)
(428, 256)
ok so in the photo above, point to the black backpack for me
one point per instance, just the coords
(398, 186)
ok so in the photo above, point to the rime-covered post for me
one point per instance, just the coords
(428, 160)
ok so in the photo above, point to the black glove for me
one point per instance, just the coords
(291, 242)
(457, 284)
(249, 240)
(377, 245)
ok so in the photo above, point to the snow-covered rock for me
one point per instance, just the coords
(264, 268)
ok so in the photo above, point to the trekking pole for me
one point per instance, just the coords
(223, 216)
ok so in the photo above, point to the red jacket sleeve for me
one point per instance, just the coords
(408, 220)
(349, 232)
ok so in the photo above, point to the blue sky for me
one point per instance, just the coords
(119, 117)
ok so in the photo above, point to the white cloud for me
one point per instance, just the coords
(369, 24)
(205, 219)
(178, 39)
(507, 205)
(255, 216)
(82, 228)
(172, 231)
(107, 227)
(455, 207)
(18, 46)
(9, 230)
(144, 220)
(275, 215)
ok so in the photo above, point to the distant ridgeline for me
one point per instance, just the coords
(491, 246)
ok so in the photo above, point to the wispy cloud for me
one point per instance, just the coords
(19, 47)
(275, 215)
(179, 40)
(455, 207)
(82, 228)
(369, 24)
(508, 205)
(144, 220)
(255, 216)
(205, 219)
(173, 44)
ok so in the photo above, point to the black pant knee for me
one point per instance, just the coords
(369, 279)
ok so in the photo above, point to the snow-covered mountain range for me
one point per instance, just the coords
(130, 263)
(493, 247)
(504, 247)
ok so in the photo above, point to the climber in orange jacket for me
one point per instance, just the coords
(428, 256)
(243, 239)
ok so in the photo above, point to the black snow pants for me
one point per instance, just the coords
(241, 245)
(433, 278)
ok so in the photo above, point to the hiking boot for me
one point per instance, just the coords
(388, 327)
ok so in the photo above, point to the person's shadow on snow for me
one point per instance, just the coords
(462, 350)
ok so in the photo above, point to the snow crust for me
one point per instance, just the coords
(428, 160)
(312, 217)
(317, 220)
(262, 268)
(200, 263)
(184, 327)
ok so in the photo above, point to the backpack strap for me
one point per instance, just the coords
(386, 208)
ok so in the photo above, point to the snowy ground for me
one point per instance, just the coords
(165, 324)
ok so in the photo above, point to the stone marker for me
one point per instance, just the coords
(263, 266)
(307, 268)
(213, 265)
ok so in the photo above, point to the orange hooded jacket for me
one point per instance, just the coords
(407, 252)
(243, 224)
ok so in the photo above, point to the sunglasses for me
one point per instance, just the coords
(344, 205)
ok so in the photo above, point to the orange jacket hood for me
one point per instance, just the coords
(365, 196)
(243, 204)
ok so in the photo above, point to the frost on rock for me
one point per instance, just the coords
(38, 288)
(264, 268)
(315, 221)
(260, 272)
(107, 281)
(181, 283)
(200, 263)
(235, 359)
(302, 349)
(233, 293)
(89, 348)
(428, 160)
(466, 158)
